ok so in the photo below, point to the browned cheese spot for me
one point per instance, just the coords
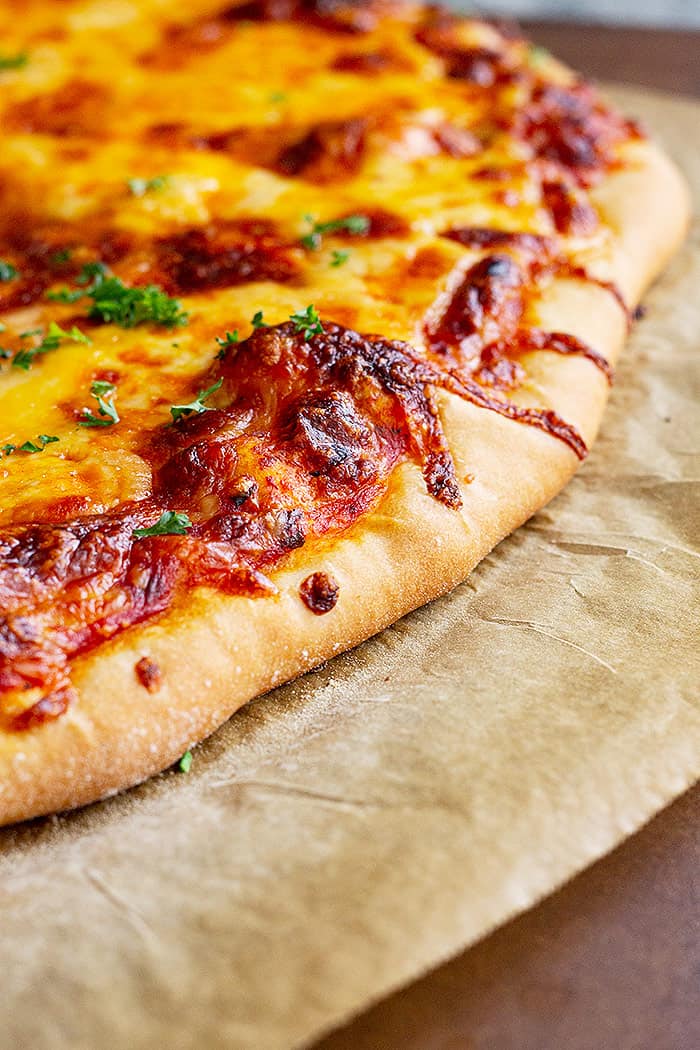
(319, 593)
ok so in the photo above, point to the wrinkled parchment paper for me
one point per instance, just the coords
(353, 829)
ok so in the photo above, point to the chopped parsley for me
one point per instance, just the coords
(114, 302)
(314, 238)
(31, 446)
(278, 96)
(63, 255)
(230, 339)
(108, 416)
(94, 271)
(140, 187)
(197, 406)
(170, 523)
(54, 336)
(339, 258)
(7, 271)
(185, 763)
(307, 321)
(17, 61)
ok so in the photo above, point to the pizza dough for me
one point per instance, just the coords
(408, 286)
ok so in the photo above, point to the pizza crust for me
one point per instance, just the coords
(408, 552)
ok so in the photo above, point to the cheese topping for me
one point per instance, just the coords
(174, 183)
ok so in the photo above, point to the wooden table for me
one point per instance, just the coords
(611, 961)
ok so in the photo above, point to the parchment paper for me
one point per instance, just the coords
(347, 832)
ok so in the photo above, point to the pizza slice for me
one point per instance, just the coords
(305, 306)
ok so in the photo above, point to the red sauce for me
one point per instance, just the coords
(305, 444)
(542, 254)
(485, 237)
(149, 674)
(319, 593)
(183, 42)
(481, 66)
(221, 257)
(489, 301)
(483, 330)
(368, 63)
(330, 151)
(78, 107)
(306, 434)
(571, 212)
(41, 253)
(380, 223)
(218, 255)
(345, 16)
(456, 142)
(570, 129)
(47, 709)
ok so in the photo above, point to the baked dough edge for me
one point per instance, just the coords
(219, 652)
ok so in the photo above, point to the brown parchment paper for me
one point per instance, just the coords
(348, 831)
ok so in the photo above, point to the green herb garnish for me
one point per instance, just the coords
(352, 224)
(230, 339)
(63, 255)
(30, 446)
(43, 439)
(185, 763)
(53, 338)
(17, 61)
(278, 96)
(7, 271)
(307, 321)
(140, 187)
(339, 258)
(114, 302)
(257, 321)
(94, 272)
(108, 416)
(197, 406)
(170, 523)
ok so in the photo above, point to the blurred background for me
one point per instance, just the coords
(677, 13)
(655, 43)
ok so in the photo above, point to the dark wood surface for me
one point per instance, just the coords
(666, 59)
(611, 961)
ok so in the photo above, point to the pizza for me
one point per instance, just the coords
(305, 305)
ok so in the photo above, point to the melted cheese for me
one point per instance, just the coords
(124, 70)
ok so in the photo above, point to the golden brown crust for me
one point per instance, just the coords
(220, 651)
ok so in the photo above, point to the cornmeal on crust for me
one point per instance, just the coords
(306, 305)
